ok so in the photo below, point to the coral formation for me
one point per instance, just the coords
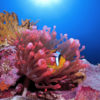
(92, 80)
(9, 25)
(3, 86)
(36, 50)
(87, 93)
(8, 71)
(37, 57)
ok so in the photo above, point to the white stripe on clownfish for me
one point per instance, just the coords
(57, 56)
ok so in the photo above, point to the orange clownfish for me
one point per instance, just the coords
(59, 61)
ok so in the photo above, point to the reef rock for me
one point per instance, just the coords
(92, 76)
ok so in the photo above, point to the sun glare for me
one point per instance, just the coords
(45, 2)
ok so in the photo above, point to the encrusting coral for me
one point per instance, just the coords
(36, 54)
(8, 71)
(87, 93)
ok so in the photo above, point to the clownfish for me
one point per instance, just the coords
(59, 60)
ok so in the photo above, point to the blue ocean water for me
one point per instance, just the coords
(80, 19)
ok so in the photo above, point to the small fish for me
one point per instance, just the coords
(58, 55)
(59, 60)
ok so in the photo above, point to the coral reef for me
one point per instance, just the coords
(35, 58)
(9, 25)
(8, 71)
(37, 66)
(92, 80)
(87, 93)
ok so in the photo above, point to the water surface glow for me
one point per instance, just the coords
(45, 3)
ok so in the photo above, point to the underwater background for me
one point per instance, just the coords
(80, 19)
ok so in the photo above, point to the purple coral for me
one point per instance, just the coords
(8, 71)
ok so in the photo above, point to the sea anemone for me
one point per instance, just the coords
(35, 58)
